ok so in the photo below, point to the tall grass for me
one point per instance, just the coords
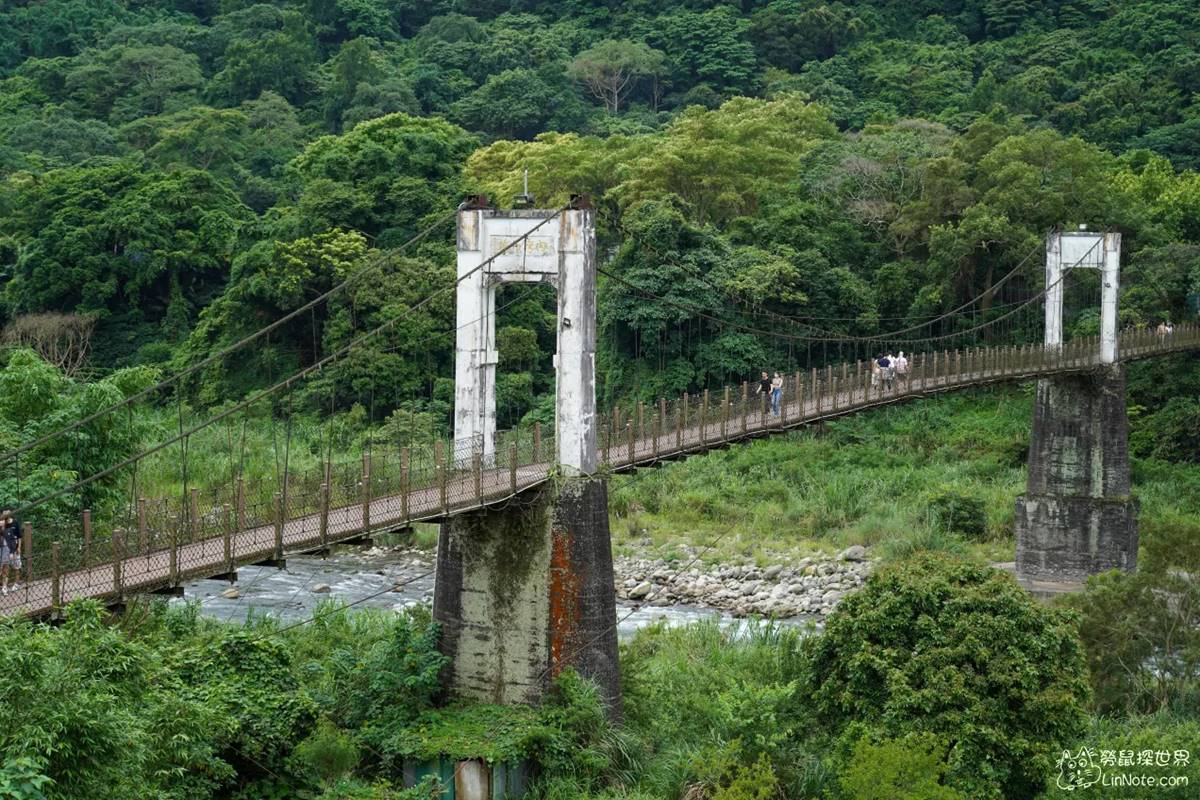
(868, 480)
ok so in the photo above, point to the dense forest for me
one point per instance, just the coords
(174, 175)
(179, 173)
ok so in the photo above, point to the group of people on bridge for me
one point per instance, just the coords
(886, 369)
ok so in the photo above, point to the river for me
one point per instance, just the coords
(364, 577)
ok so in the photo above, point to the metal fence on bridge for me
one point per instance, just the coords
(164, 542)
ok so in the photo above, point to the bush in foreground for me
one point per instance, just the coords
(942, 646)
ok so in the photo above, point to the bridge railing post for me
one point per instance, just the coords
(240, 505)
(659, 422)
(745, 403)
(537, 442)
(366, 491)
(833, 394)
(641, 420)
(279, 521)
(704, 418)
(173, 557)
(194, 513)
(87, 538)
(608, 432)
(630, 453)
(681, 421)
(323, 518)
(55, 576)
(228, 538)
(477, 476)
(439, 468)
(143, 545)
(118, 555)
(725, 416)
(405, 483)
(512, 467)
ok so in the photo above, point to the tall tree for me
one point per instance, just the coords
(611, 69)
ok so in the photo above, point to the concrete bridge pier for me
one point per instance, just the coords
(1076, 517)
(525, 591)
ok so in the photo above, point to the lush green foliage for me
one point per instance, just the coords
(1142, 631)
(171, 705)
(959, 651)
(183, 172)
(934, 664)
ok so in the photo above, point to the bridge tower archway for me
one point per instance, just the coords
(559, 249)
(525, 590)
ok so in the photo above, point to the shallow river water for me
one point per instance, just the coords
(364, 578)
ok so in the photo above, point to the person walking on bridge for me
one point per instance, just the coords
(10, 551)
(885, 371)
(776, 393)
(764, 389)
(901, 367)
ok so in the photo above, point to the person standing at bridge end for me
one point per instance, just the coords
(776, 393)
(10, 551)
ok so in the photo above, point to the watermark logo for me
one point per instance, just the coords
(1122, 768)
(1080, 770)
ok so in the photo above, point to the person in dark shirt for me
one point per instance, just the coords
(764, 389)
(10, 552)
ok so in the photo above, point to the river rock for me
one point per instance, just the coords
(321, 588)
(772, 572)
(231, 593)
(641, 590)
(855, 552)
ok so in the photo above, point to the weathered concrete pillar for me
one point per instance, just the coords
(1076, 517)
(526, 591)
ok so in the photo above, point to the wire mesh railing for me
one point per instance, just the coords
(159, 542)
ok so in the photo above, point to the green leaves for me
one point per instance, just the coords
(942, 646)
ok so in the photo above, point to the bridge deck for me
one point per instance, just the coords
(386, 498)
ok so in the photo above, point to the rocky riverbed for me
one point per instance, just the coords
(648, 589)
(811, 586)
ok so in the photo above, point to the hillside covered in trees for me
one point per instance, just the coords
(179, 172)
(176, 174)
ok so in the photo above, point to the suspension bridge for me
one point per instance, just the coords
(524, 584)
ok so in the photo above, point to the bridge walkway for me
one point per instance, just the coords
(265, 522)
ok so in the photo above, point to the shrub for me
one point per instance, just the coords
(326, 754)
(1141, 631)
(22, 779)
(921, 540)
(939, 645)
(908, 768)
(955, 511)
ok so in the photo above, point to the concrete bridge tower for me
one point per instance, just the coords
(1076, 517)
(526, 590)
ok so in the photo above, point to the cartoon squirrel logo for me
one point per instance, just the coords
(1078, 771)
